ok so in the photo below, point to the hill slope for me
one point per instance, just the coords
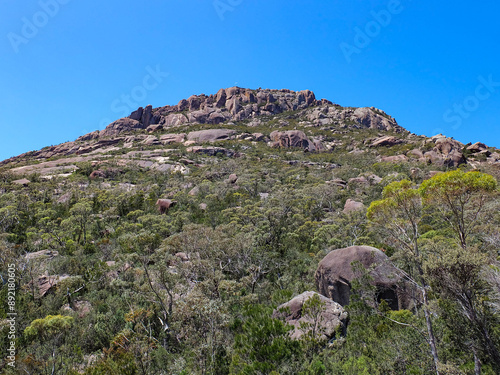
(163, 243)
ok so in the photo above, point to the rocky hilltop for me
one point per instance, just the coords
(237, 104)
(278, 118)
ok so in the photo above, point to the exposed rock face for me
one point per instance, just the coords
(330, 319)
(335, 274)
(164, 205)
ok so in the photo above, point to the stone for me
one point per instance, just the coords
(167, 139)
(447, 145)
(211, 135)
(210, 151)
(154, 128)
(292, 138)
(352, 205)
(335, 274)
(232, 178)
(337, 182)
(120, 126)
(331, 317)
(203, 206)
(82, 308)
(147, 116)
(258, 137)
(372, 119)
(194, 191)
(477, 147)
(23, 181)
(416, 153)
(164, 205)
(182, 256)
(361, 180)
(175, 119)
(151, 140)
(43, 254)
(386, 141)
(47, 283)
(394, 159)
(89, 136)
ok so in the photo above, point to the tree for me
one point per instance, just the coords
(459, 197)
(399, 215)
(80, 216)
(263, 344)
(49, 330)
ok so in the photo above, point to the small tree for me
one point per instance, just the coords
(49, 332)
(459, 198)
(399, 215)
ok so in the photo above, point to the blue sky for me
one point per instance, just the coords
(68, 67)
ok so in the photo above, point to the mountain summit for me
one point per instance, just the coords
(238, 104)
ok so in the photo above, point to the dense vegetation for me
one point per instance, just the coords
(132, 304)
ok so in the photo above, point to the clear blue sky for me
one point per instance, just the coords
(68, 67)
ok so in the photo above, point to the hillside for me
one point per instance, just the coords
(165, 243)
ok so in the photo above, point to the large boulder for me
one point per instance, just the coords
(386, 141)
(164, 205)
(121, 125)
(48, 283)
(477, 147)
(335, 274)
(325, 324)
(211, 135)
(352, 205)
(167, 139)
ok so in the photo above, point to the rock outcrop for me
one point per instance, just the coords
(446, 151)
(325, 325)
(294, 138)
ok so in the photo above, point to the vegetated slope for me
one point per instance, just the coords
(257, 187)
